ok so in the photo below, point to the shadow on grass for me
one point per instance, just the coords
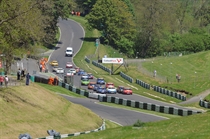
(89, 39)
(52, 46)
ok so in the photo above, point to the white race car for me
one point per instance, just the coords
(72, 70)
(60, 71)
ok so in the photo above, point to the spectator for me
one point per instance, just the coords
(40, 67)
(18, 74)
(28, 78)
(179, 78)
(72, 13)
(1, 80)
(155, 73)
(6, 80)
(23, 73)
(55, 81)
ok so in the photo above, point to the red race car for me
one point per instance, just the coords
(127, 91)
(109, 84)
(69, 65)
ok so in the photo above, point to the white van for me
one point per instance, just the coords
(69, 51)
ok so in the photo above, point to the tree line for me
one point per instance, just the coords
(25, 24)
(149, 28)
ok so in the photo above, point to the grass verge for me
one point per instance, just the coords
(34, 110)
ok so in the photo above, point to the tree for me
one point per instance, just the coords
(86, 5)
(20, 25)
(112, 17)
(25, 22)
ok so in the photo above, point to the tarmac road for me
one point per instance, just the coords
(121, 116)
(71, 36)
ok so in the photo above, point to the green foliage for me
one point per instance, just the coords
(112, 17)
(24, 23)
(86, 5)
(130, 6)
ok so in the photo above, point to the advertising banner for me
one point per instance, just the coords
(112, 60)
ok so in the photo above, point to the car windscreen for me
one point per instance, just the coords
(85, 79)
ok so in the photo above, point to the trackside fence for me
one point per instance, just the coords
(126, 77)
(204, 104)
(101, 66)
(161, 90)
(148, 106)
(125, 102)
(87, 59)
(78, 91)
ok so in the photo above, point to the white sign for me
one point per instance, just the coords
(112, 60)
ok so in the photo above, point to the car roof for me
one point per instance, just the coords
(69, 48)
(100, 78)
(60, 68)
(92, 82)
(110, 86)
(110, 83)
(54, 61)
(127, 88)
(121, 86)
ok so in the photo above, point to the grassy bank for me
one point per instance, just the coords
(193, 127)
(34, 110)
(193, 68)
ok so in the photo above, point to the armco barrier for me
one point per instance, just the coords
(78, 91)
(103, 127)
(87, 59)
(148, 106)
(169, 93)
(101, 66)
(161, 90)
(143, 84)
(204, 104)
(126, 77)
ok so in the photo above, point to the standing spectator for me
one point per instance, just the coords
(23, 73)
(18, 74)
(179, 78)
(28, 78)
(155, 73)
(40, 67)
(55, 81)
(72, 13)
(6, 80)
(1, 80)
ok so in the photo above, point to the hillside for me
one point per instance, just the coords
(34, 110)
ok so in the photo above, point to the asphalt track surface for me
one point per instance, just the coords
(72, 35)
(121, 116)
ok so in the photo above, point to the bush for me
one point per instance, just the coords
(139, 123)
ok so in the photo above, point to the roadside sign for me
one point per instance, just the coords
(112, 60)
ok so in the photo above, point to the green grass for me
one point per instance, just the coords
(34, 109)
(60, 90)
(190, 127)
(192, 68)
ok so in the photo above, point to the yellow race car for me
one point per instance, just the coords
(54, 63)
